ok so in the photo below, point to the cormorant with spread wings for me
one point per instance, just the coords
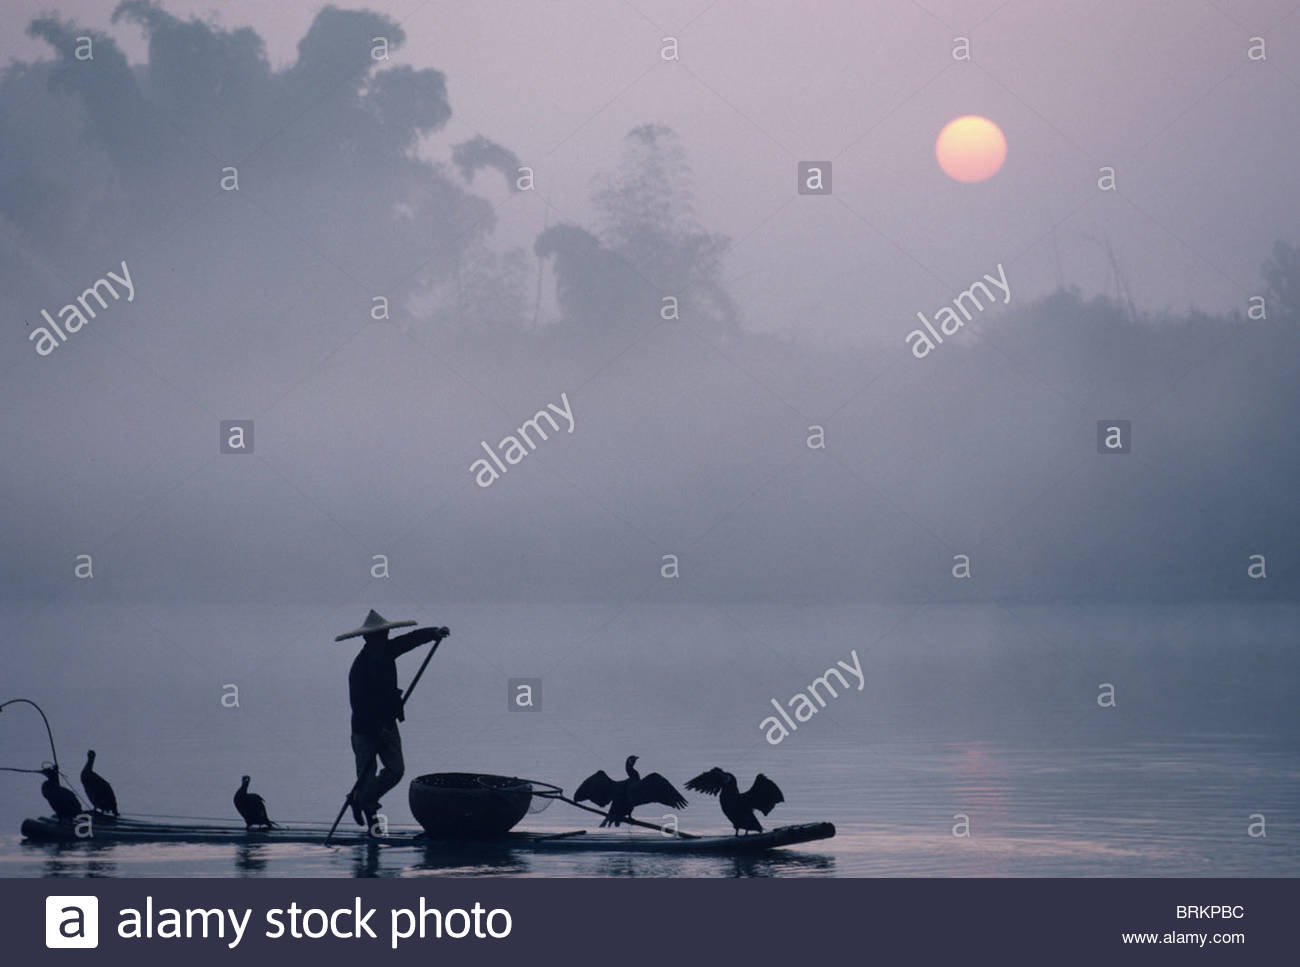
(624, 796)
(739, 806)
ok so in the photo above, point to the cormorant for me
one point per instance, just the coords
(62, 800)
(624, 796)
(739, 806)
(98, 791)
(252, 807)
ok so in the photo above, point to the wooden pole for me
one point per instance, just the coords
(629, 819)
(420, 671)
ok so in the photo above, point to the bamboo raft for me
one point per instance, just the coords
(106, 830)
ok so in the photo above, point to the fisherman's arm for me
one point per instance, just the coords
(414, 639)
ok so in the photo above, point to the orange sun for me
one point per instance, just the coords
(971, 148)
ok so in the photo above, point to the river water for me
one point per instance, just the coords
(979, 720)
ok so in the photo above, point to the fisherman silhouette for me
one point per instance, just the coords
(377, 708)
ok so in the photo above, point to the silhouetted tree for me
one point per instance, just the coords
(647, 215)
(596, 288)
(647, 246)
(323, 144)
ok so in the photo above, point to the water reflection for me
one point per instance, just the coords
(365, 860)
(78, 859)
(251, 858)
(780, 863)
(492, 857)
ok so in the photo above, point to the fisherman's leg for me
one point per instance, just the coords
(390, 754)
(364, 747)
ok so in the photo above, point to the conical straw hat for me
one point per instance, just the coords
(374, 622)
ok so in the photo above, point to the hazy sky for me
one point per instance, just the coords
(1200, 136)
(690, 438)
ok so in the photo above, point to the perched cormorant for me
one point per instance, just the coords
(739, 806)
(98, 791)
(252, 807)
(624, 796)
(62, 800)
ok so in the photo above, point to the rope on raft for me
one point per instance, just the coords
(221, 819)
(48, 731)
